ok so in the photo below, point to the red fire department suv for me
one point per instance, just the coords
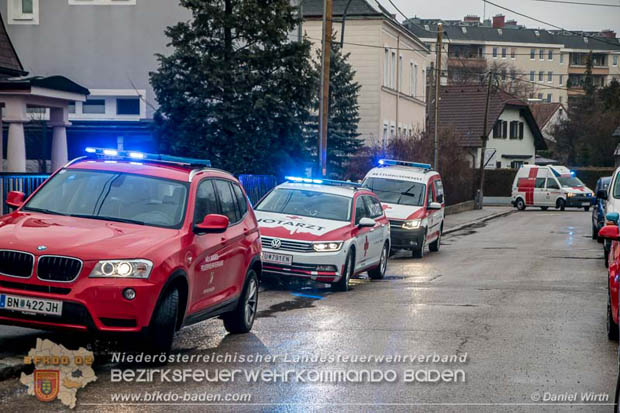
(129, 242)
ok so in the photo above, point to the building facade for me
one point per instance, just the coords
(548, 65)
(107, 46)
(390, 64)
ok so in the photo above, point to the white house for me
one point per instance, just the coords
(513, 134)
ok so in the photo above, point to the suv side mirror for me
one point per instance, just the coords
(15, 199)
(434, 205)
(366, 223)
(612, 217)
(609, 232)
(602, 194)
(212, 224)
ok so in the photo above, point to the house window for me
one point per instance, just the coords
(128, 106)
(561, 58)
(495, 52)
(503, 52)
(561, 79)
(514, 129)
(94, 106)
(560, 99)
(532, 75)
(393, 74)
(532, 54)
(400, 73)
(541, 76)
(513, 53)
(71, 107)
(386, 69)
(23, 11)
(423, 84)
(550, 55)
(549, 97)
(541, 54)
(540, 96)
(521, 130)
(550, 77)
(414, 80)
(615, 60)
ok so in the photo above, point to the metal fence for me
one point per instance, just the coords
(256, 186)
(25, 183)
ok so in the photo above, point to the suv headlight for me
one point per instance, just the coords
(570, 194)
(122, 269)
(413, 224)
(327, 246)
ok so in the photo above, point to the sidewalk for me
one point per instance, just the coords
(456, 222)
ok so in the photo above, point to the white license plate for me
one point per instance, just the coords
(585, 204)
(30, 305)
(277, 258)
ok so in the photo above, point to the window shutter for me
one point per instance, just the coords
(504, 129)
(520, 130)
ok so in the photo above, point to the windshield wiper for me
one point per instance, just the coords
(44, 211)
(104, 218)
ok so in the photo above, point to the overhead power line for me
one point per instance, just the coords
(579, 3)
(398, 10)
(602, 40)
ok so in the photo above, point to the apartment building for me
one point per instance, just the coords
(551, 64)
(106, 46)
(390, 64)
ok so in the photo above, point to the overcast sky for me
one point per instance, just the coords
(568, 16)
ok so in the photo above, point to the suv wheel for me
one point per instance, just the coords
(241, 319)
(418, 252)
(586, 208)
(561, 204)
(520, 204)
(379, 272)
(349, 270)
(435, 245)
(612, 328)
(594, 232)
(160, 333)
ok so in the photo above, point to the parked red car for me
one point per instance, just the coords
(126, 242)
(610, 232)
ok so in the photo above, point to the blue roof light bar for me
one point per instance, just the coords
(393, 162)
(106, 153)
(331, 182)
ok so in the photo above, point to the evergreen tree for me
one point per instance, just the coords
(342, 136)
(235, 89)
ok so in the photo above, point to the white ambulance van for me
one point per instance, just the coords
(413, 198)
(550, 186)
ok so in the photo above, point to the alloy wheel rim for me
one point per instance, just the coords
(251, 302)
(383, 260)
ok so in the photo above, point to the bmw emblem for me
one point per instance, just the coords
(41, 248)
(276, 243)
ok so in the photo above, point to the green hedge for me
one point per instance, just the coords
(498, 182)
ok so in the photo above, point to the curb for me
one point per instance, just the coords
(478, 221)
(11, 367)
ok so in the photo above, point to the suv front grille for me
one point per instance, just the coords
(396, 224)
(287, 245)
(16, 264)
(62, 269)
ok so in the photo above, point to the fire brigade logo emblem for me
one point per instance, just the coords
(47, 385)
(41, 248)
(276, 243)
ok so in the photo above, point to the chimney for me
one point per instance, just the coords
(610, 34)
(498, 21)
(471, 19)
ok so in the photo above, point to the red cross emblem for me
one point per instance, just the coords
(366, 246)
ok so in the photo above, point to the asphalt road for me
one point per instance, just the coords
(521, 300)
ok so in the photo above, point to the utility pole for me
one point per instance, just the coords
(398, 76)
(438, 48)
(485, 136)
(328, 8)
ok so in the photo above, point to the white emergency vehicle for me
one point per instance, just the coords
(323, 230)
(413, 199)
(549, 186)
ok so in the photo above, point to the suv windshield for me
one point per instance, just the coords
(113, 196)
(393, 191)
(307, 203)
(570, 181)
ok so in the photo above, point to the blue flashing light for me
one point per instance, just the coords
(139, 156)
(572, 173)
(393, 162)
(331, 182)
(136, 155)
